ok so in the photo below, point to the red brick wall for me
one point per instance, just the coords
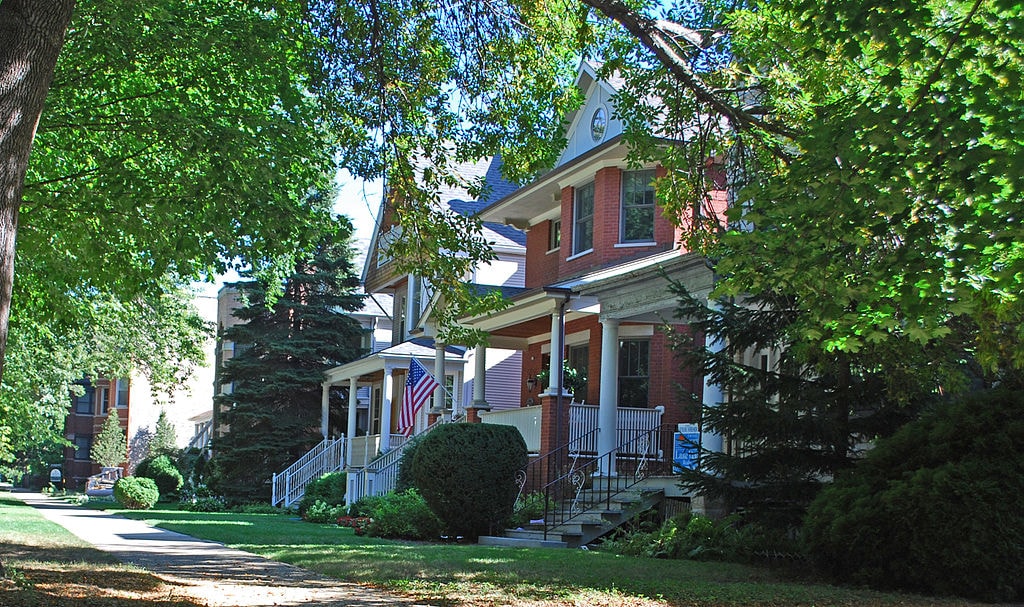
(541, 266)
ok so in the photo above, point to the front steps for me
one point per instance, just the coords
(595, 521)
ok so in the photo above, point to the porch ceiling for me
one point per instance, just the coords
(373, 366)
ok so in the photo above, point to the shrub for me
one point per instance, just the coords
(404, 516)
(363, 507)
(359, 524)
(255, 508)
(329, 489)
(207, 504)
(404, 481)
(321, 512)
(136, 493)
(932, 508)
(163, 471)
(466, 473)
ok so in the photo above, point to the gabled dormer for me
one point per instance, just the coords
(412, 294)
(596, 121)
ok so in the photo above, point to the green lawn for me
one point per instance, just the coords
(478, 575)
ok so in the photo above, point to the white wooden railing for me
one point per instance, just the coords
(289, 485)
(526, 419)
(582, 423)
(380, 476)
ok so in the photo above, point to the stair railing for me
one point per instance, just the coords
(289, 485)
(573, 482)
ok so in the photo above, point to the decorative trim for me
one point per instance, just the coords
(580, 254)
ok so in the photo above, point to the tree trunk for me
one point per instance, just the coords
(31, 36)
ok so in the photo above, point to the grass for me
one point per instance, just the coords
(46, 566)
(481, 576)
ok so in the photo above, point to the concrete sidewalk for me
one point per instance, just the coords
(206, 571)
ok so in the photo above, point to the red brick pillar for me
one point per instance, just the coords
(554, 423)
(432, 418)
(473, 415)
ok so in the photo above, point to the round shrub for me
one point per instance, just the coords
(933, 508)
(466, 474)
(163, 471)
(136, 493)
(329, 489)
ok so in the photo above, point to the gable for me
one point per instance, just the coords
(581, 134)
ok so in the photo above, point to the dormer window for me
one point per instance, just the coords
(638, 203)
(598, 124)
(583, 219)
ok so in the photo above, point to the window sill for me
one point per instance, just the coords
(554, 250)
(630, 245)
(580, 254)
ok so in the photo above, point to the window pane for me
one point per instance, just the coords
(82, 446)
(638, 206)
(583, 219)
(84, 403)
(122, 393)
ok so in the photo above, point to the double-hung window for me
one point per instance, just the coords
(583, 219)
(634, 372)
(637, 223)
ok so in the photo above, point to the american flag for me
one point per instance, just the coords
(419, 385)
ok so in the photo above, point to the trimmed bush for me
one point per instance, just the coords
(404, 516)
(163, 471)
(933, 508)
(321, 512)
(136, 493)
(466, 473)
(363, 507)
(329, 489)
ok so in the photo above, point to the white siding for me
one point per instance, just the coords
(580, 140)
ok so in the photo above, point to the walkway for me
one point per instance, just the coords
(208, 572)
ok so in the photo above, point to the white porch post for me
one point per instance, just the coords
(385, 414)
(480, 377)
(556, 352)
(438, 407)
(607, 412)
(325, 398)
(713, 396)
(350, 431)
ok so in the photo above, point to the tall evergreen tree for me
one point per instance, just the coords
(165, 439)
(111, 446)
(794, 413)
(283, 347)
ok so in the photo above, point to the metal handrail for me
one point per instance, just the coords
(569, 490)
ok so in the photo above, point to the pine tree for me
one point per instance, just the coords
(790, 426)
(273, 411)
(110, 447)
(165, 439)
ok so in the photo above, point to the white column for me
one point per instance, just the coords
(608, 405)
(385, 414)
(556, 352)
(713, 396)
(325, 399)
(350, 431)
(439, 376)
(480, 377)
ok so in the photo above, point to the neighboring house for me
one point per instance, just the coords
(138, 408)
(599, 258)
(383, 373)
(374, 317)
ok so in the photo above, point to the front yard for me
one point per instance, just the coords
(478, 576)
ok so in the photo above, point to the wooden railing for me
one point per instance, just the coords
(201, 439)
(289, 485)
(526, 419)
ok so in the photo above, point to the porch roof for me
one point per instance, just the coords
(637, 290)
(397, 356)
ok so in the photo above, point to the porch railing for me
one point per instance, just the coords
(289, 485)
(380, 475)
(582, 424)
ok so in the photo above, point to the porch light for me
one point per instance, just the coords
(531, 384)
